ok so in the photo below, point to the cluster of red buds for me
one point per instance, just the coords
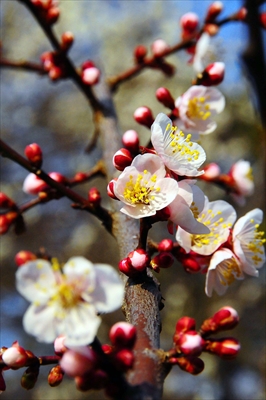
(164, 259)
(54, 64)
(90, 74)
(47, 9)
(9, 216)
(189, 343)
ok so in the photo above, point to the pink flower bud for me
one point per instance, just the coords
(15, 356)
(56, 176)
(190, 364)
(213, 74)
(78, 364)
(130, 140)
(91, 76)
(110, 189)
(191, 265)
(166, 245)
(122, 159)
(33, 184)
(124, 360)
(213, 11)
(226, 348)
(67, 39)
(165, 97)
(5, 201)
(126, 267)
(242, 14)
(211, 171)
(33, 152)
(189, 22)
(55, 376)
(24, 256)
(59, 345)
(162, 260)
(185, 324)
(139, 259)
(123, 335)
(159, 47)
(94, 196)
(52, 15)
(225, 318)
(55, 73)
(190, 343)
(143, 116)
(140, 53)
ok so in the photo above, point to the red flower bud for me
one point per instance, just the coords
(124, 360)
(140, 53)
(212, 75)
(185, 324)
(190, 364)
(211, 29)
(213, 11)
(52, 15)
(263, 20)
(164, 96)
(189, 22)
(15, 356)
(166, 245)
(191, 265)
(159, 47)
(122, 159)
(123, 335)
(91, 76)
(211, 171)
(56, 176)
(225, 318)
(107, 348)
(110, 189)
(94, 196)
(33, 152)
(5, 201)
(67, 39)
(143, 116)
(190, 343)
(162, 260)
(130, 140)
(139, 259)
(55, 376)
(226, 348)
(80, 177)
(126, 267)
(24, 256)
(242, 14)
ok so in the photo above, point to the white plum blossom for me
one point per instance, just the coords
(219, 217)
(143, 188)
(248, 242)
(66, 302)
(197, 106)
(176, 150)
(224, 268)
(241, 172)
(201, 49)
(187, 205)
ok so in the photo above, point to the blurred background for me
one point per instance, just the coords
(57, 117)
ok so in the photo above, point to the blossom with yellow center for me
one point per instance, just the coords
(143, 188)
(219, 217)
(176, 149)
(196, 108)
(223, 270)
(67, 301)
(248, 242)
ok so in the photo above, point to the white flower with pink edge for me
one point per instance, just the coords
(219, 217)
(143, 188)
(197, 106)
(176, 150)
(223, 270)
(241, 172)
(66, 301)
(248, 242)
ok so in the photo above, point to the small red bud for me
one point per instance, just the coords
(242, 14)
(190, 343)
(263, 20)
(191, 265)
(15, 356)
(124, 359)
(130, 140)
(122, 159)
(185, 324)
(166, 245)
(5, 201)
(139, 259)
(162, 260)
(110, 189)
(67, 39)
(56, 176)
(140, 53)
(80, 177)
(126, 267)
(189, 22)
(159, 47)
(212, 75)
(225, 318)
(52, 15)
(123, 335)
(24, 256)
(213, 11)
(91, 76)
(190, 364)
(211, 171)
(143, 116)
(107, 348)
(165, 97)
(211, 29)
(55, 73)
(55, 376)
(33, 152)
(226, 348)
(94, 196)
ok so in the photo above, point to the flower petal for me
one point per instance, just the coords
(40, 322)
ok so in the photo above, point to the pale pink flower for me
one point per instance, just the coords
(143, 188)
(176, 150)
(201, 49)
(197, 106)
(68, 302)
(241, 172)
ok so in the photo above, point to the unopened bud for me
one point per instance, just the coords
(6, 221)
(143, 116)
(211, 171)
(165, 97)
(190, 343)
(226, 348)
(29, 378)
(33, 152)
(5, 201)
(67, 39)
(77, 364)
(212, 75)
(55, 376)
(123, 335)
(166, 245)
(107, 348)
(213, 11)
(225, 318)
(24, 256)
(162, 260)
(15, 356)
(124, 359)
(211, 29)
(190, 364)
(139, 259)
(191, 265)
(94, 196)
(110, 189)
(52, 15)
(130, 140)
(263, 20)
(159, 47)
(122, 159)
(91, 76)
(80, 177)
(185, 324)
(59, 345)
(55, 73)
(189, 22)
(140, 53)
(125, 267)
(242, 14)
(56, 176)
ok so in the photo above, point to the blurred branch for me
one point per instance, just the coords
(26, 65)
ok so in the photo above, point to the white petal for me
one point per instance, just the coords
(35, 280)
(40, 322)
(150, 162)
(184, 239)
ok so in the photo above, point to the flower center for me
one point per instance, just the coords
(67, 296)
(249, 174)
(194, 209)
(138, 191)
(179, 143)
(255, 244)
(197, 108)
(230, 270)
